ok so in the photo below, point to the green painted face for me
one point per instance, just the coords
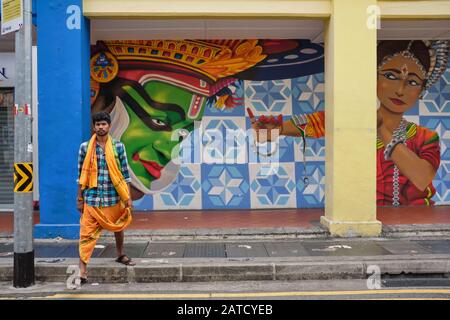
(157, 113)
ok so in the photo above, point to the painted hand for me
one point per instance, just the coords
(266, 128)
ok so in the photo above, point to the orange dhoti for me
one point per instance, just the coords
(93, 220)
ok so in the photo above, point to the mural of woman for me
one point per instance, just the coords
(156, 89)
(408, 155)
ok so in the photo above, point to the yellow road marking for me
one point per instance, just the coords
(409, 299)
(243, 294)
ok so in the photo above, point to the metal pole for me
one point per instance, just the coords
(23, 186)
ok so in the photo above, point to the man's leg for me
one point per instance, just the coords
(119, 242)
(89, 234)
(121, 257)
(83, 269)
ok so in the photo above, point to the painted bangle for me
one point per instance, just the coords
(390, 148)
(298, 127)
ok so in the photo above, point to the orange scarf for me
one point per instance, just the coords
(89, 171)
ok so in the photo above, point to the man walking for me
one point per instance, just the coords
(103, 191)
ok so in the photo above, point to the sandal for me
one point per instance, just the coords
(83, 280)
(124, 259)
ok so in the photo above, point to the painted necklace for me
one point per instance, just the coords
(399, 133)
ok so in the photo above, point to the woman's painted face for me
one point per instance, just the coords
(400, 82)
(158, 123)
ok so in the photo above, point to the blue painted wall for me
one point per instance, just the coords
(64, 111)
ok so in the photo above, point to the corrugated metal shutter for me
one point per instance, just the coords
(6, 148)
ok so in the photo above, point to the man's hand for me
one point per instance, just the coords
(80, 204)
(128, 203)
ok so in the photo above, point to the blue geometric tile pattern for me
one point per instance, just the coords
(144, 203)
(442, 184)
(308, 94)
(225, 186)
(437, 99)
(223, 140)
(310, 194)
(272, 96)
(441, 125)
(245, 185)
(434, 113)
(273, 187)
(182, 193)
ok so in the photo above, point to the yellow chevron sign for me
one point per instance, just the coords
(23, 177)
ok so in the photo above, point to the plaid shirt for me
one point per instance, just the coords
(105, 195)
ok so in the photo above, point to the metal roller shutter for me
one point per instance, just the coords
(6, 148)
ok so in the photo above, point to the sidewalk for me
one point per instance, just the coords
(241, 260)
(287, 244)
(166, 225)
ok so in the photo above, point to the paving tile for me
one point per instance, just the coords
(403, 247)
(245, 249)
(6, 250)
(338, 248)
(285, 249)
(436, 246)
(72, 251)
(204, 250)
(165, 250)
(132, 250)
(54, 250)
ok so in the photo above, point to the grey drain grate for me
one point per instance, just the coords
(204, 250)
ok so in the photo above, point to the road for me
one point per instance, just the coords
(242, 290)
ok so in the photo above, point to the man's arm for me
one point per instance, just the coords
(122, 153)
(307, 125)
(81, 156)
(125, 169)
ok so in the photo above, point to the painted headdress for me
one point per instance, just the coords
(203, 67)
(438, 51)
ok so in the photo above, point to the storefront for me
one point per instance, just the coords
(7, 69)
(93, 56)
(7, 84)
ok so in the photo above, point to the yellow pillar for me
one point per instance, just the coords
(350, 117)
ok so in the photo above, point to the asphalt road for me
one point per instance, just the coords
(410, 289)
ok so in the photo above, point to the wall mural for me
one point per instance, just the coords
(184, 110)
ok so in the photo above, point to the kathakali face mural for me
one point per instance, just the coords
(155, 91)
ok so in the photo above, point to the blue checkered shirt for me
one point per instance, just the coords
(105, 195)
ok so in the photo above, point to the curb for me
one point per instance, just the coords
(201, 270)
(410, 231)
(415, 230)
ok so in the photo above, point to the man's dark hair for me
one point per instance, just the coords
(101, 116)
